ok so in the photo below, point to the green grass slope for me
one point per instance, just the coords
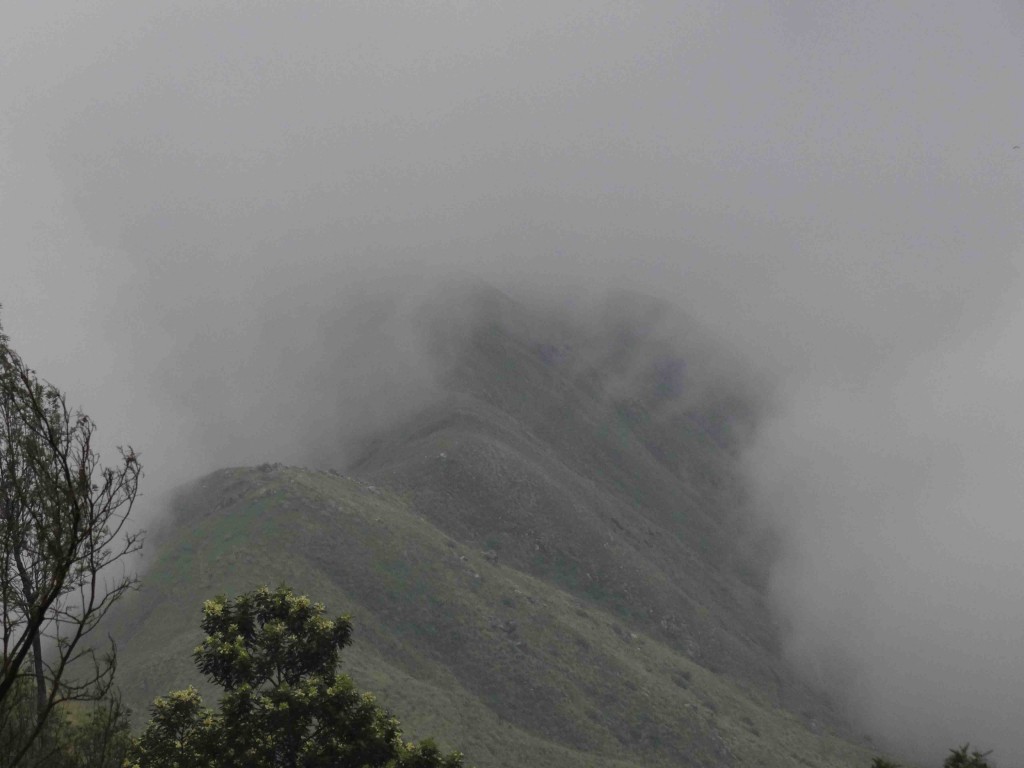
(501, 664)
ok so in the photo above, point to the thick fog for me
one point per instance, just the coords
(218, 218)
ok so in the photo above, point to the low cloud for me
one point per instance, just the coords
(219, 219)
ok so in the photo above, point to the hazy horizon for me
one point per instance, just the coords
(220, 217)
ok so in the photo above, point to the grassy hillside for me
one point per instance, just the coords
(505, 666)
(552, 565)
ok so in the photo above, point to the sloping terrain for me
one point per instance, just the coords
(503, 665)
(550, 566)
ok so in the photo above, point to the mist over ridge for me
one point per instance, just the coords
(221, 222)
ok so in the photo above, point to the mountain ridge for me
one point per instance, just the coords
(557, 544)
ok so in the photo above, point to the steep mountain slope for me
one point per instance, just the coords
(548, 566)
(591, 464)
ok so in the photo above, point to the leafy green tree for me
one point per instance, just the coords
(182, 733)
(64, 543)
(276, 656)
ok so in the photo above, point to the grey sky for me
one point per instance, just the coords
(204, 206)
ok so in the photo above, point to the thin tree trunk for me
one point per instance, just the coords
(37, 659)
(37, 644)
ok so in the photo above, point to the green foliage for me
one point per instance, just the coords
(182, 732)
(96, 735)
(17, 719)
(276, 656)
(100, 738)
(961, 758)
(267, 642)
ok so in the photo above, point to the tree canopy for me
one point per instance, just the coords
(275, 654)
